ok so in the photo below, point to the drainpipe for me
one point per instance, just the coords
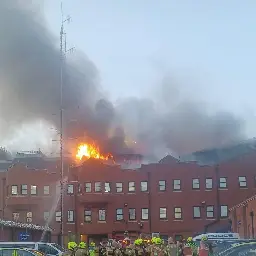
(149, 202)
(252, 223)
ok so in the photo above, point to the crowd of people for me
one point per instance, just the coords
(145, 247)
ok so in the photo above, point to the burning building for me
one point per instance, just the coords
(102, 200)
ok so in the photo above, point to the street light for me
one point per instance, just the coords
(252, 223)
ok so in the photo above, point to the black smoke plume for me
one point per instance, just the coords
(29, 86)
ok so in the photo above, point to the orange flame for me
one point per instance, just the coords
(90, 151)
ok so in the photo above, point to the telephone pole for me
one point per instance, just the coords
(63, 51)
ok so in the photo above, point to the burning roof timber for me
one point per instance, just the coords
(37, 160)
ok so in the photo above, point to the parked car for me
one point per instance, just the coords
(18, 252)
(45, 248)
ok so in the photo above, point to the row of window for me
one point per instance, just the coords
(144, 214)
(99, 186)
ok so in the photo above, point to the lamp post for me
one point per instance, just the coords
(252, 223)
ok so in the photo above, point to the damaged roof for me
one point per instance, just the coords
(217, 155)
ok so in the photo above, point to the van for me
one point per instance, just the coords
(218, 236)
(45, 248)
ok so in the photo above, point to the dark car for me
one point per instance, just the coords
(18, 252)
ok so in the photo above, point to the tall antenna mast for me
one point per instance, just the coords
(63, 51)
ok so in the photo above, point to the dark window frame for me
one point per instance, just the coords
(120, 214)
(245, 181)
(181, 212)
(146, 182)
(132, 219)
(117, 187)
(173, 185)
(226, 182)
(131, 191)
(85, 187)
(200, 212)
(166, 214)
(17, 192)
(212, 211)
(105, 214)
(73, 220)
(195, 188)
(24, 189)
(208, 178)
(159, 185)
(147, 214)
(86, 211)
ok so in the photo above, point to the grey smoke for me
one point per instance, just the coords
(29, 86)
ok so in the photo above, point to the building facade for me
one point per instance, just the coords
(242, 216)
(101, 201)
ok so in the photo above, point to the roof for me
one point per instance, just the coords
(14, 224)
(224, 154)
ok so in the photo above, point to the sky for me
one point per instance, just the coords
(210, 45)
(206, 48)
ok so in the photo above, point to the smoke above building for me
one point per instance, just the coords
(30, 91)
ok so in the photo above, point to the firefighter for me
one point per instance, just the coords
(203, 248)
(138, 243)
(92, 249)
(72, 247)
(171, 247)
(193, 246)
(82, 250)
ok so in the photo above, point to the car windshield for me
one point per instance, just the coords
(58, 247)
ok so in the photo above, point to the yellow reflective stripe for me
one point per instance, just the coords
(14, 253)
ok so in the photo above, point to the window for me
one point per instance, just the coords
(15, 216)
(14, 190)
(223, 183)
(176, 185)
(88, 187)
(119, 214)
(224, 211)
(143, 186)
(46, 215)
(208, 183)
(178, 213)
(46, 190)
(132, 214)
(33, 190)
(131, 186)
(144, 214)
(107, 187)
(79, 188)
(58, 216)
(97, 187)
(196, 212)
(242, 182)
(195, 184)
(163, 213)
(71, 216)
(70, 189)
(29, 217)
(209, 212)
(24, 189)
(162, 185)
(87, 215)
(119, 187)
(102, 215)
(47, 249)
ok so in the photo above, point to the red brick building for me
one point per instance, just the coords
(243, 219)
(173, 198)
